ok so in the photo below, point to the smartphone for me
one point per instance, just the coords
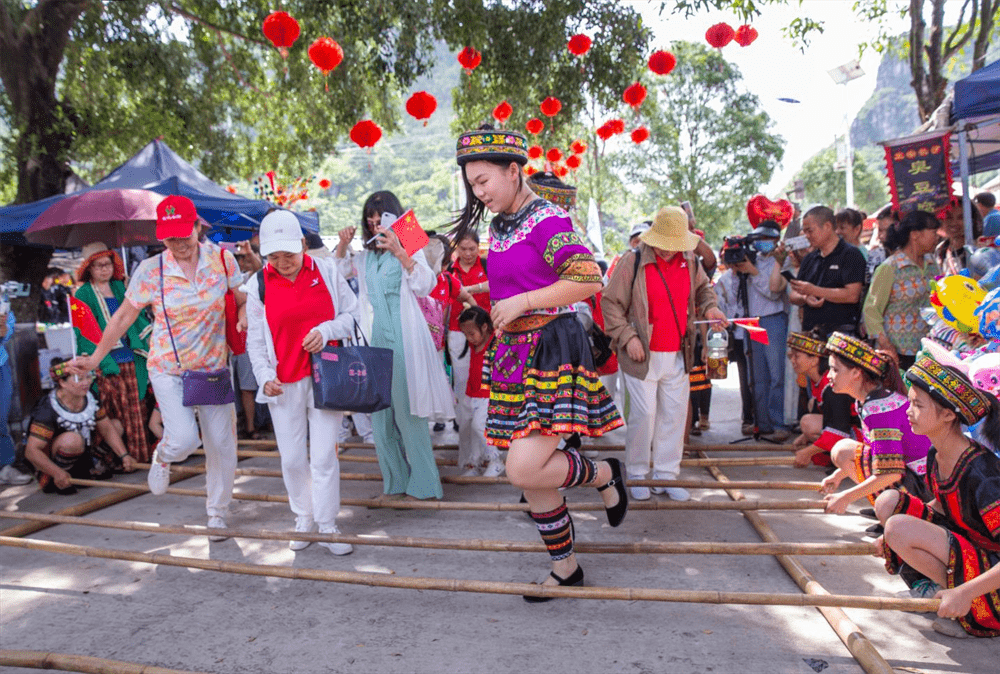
(797, 242)
(788, 274)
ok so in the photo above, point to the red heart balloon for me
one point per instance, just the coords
(760, 208)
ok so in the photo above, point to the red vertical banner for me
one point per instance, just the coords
(919, 173)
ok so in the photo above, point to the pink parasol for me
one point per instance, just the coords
(118, 217)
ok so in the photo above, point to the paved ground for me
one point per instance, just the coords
(214, 622)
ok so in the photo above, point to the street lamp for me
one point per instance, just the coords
(842, 75)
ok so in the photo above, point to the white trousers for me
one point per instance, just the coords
(471, 413)
(657, 414)
(460, 373)
(310, 469)
(181, 438)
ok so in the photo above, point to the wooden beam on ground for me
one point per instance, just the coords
(79, 663)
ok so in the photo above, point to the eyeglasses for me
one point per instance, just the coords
(102, 265)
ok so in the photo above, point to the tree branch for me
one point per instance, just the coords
(180, 11)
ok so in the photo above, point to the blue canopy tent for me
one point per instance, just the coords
(158, 168)
(975, 114)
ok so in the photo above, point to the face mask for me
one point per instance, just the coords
(764, 247)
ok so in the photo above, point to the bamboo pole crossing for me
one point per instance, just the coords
(79, 663)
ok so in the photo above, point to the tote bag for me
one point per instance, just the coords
(353, 378)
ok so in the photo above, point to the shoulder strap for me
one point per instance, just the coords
(166, 316)
(635, 267)
(260, 285)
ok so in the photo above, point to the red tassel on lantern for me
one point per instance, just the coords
(470, 58)
(366, 133)
(640, 135)
(635, 95)
(720, 35)
(551, 106)
(554, 155)
(326, 55)
(662, 62)
(578, 45)
(282, 30)
(535, 151)
(578, 147)
(745, 35)
(421, 105)
(534, 126)
(573, 162)
(502, 112)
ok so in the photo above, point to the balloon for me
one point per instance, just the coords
(955, 299)
(988, 313)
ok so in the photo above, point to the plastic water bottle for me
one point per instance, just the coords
(718, 354)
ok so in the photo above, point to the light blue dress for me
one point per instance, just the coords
(402, 441)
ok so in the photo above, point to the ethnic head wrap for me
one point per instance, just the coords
(59, 369)
(858, 352)
(490, 144)
(807, 344)
(949, 388)
(548, 186)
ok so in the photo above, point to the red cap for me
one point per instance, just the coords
(175, 217)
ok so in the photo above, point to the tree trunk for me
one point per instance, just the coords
(987, 19)
(32, 44)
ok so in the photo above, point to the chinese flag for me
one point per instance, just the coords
(752, 326)
(410, 233)
(83, 319)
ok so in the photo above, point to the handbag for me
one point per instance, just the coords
(201, 387)
(600, 343)
(236, 339)
(353, 378)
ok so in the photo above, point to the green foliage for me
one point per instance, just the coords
(827, 186)
(710, 142)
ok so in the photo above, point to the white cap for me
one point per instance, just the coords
(280, 232)
(639, 229)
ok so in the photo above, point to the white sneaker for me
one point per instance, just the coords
(471, 471)
(303, 525)
(216, 523)
(11, 475)
(159, 475)
(494, 468)
(638, 493)
(661, 490)
(335, 548)
(678, 493)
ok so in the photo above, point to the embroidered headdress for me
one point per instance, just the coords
(858, 352)
(950, 388)
(807, 344)
(548, 186)
(491, 144)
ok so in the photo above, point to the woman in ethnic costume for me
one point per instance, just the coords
(122, 378)
(889, 452)
(539, 368)
(953, 535)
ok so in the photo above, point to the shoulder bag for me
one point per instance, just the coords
(353, 378)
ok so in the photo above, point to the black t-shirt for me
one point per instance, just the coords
(47, 422)
(844, 265)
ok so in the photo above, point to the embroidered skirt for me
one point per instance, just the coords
(912, 482)
(542, 378)
(966, 561)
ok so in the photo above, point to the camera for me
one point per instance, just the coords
(739, 249)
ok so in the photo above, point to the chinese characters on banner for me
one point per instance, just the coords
(919, 173)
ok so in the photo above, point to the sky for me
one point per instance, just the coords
(773, 68)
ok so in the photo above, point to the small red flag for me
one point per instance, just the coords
(410, 233)
(83, 319)
(752, 326)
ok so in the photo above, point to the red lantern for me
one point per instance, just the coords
(635, 95)
(282, 30)
(324, 184)
(760, 208)
(578, 147)
(616, 125)
(421, 105)
(662, 62)
(551, 106)
(554, 155)
(720, 35)
(470, 58)
(530, 170)
(366, 133)
(326, 55)
(604, 131)
(745, 35)
(534, 126)
(502, 112)
(573, 162)
(534, 152)
(560, 171)
(640, 135)
(578, 45)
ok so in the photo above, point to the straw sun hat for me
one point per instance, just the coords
(670, 231)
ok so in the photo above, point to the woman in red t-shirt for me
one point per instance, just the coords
(475, 456)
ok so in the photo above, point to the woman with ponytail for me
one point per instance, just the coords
(953, 535)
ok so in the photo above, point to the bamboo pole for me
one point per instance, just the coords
(480, 586)
(815, 505)
(757, 447)
(475, 545)
(351, 458)
(850, 634)
(79, 663)
(478, 479)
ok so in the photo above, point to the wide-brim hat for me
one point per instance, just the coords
(670, 231)
(950, 388)
(858, 352)
(807, 344)
(491, 144)
(548, 186)
(91, 252)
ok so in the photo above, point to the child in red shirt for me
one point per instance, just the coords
(477, 458)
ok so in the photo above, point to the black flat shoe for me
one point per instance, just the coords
(617, 512)
(439, 426)
(875, 530)
(575, 578)
(868, 512)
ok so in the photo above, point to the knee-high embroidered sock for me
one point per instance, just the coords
(556, 529)
(581, 469)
